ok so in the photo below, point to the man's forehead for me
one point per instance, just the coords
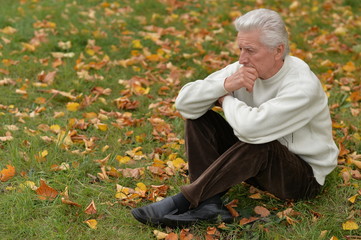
(250, 39)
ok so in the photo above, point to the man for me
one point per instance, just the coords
(276, 134)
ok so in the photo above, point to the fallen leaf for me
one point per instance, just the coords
(72, 106)
(45, 192)
(91, 209)
(92, 223)
(245, 221)
(7, 173)
(349, 67)
(65, 199)
(231, 205)
(262, 211)
(350, 225)
(160, 235)
(353, 198)
(186, 235)
(171, 236)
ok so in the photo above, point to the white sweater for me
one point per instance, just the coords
(290, 107)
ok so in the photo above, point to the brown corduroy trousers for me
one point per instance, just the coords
(218, 160)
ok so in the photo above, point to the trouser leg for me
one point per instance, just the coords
(218, 162)
(207, 138)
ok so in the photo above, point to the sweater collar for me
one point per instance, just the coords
(279, 74)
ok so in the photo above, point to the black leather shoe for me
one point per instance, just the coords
(207, 211)
(153, 214)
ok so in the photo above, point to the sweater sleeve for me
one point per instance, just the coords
(290, 110)
(196, 98)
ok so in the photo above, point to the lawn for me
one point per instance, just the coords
(89, 129)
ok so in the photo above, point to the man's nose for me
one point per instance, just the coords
(243, 58)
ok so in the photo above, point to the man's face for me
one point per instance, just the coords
(255, 54)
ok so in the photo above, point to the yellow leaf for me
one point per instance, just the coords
(294, 5)
(137, 44)
(72, 106)
(92, 223)
(90, 115)
(334, 238)
(55, 128)
(357, 163)
(353, 198)
(44, 153)
(178, 163)
(28, 47)
(123, 160)
(102, 127)
(349, 67)
(8, 30)
(350, 225)
(28, 184)
(59, 114)
(141, 186)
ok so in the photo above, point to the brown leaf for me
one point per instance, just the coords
(245, 221)
(171, 236)
(45, 192)
(91, 209)
(65, 199)
(68, 202)
(262, 211)
(356, 174)
(230, 206)
(288, 212)
(47, 78)
(186, 235)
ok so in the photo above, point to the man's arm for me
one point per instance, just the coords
(197, 97)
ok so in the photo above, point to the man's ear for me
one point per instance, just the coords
(279, 52)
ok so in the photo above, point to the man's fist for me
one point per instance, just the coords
(243, 78)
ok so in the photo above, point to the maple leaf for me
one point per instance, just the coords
(45, 192)
(7, 173)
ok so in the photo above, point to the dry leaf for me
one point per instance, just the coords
(160, 235)
(7, 173)
(92, 223)
(230, 206)
(350, 225)
(186, 235)
(262, 211)
(91, 209)
(171, 236)
(72, 106)
(245, 221)
(45, 192)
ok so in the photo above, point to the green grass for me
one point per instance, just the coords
(187, 32)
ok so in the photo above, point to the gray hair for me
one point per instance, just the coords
(269, 23)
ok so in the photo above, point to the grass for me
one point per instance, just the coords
(174, 39)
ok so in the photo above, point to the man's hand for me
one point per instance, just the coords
(220, 100)
(243, 78)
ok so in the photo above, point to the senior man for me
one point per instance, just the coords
(275, 134)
